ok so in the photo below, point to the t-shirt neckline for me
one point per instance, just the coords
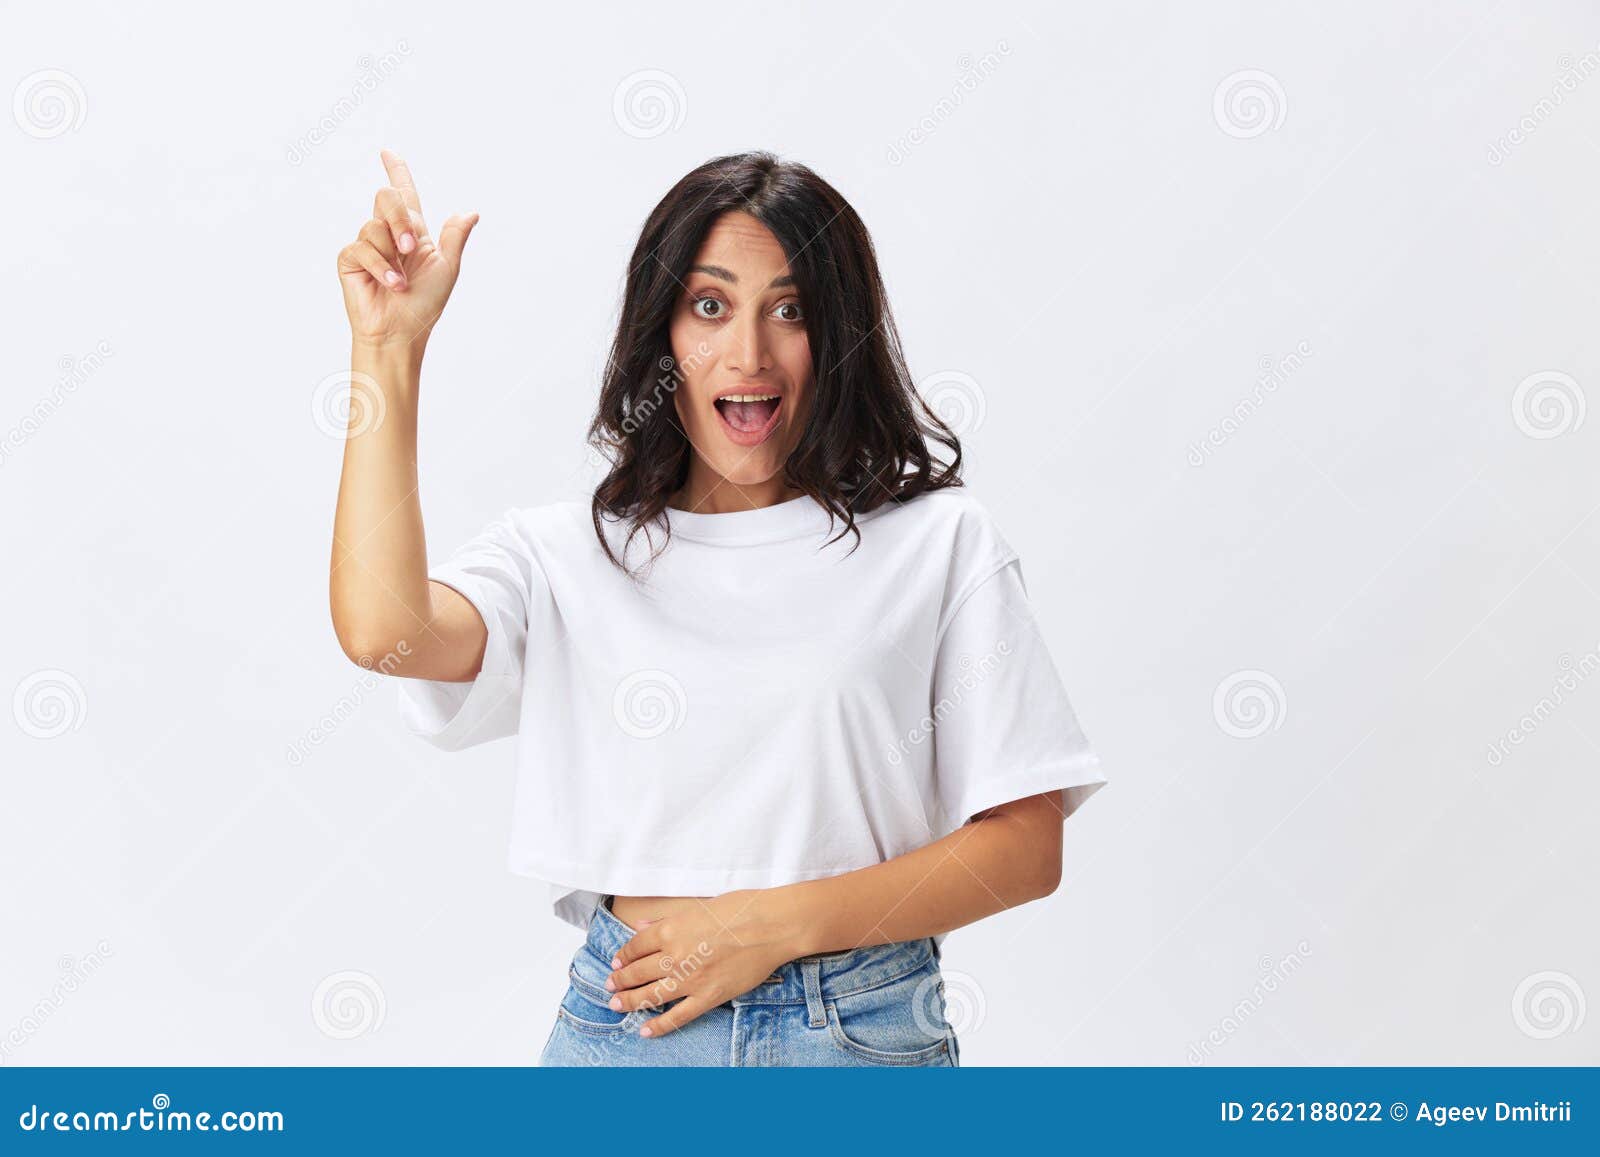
(791, 518)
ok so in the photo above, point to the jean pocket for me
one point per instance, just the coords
(900, 1023)
(587, 1008)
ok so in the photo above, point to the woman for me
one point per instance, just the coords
(784, 717)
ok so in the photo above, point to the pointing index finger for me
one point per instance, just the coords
(400, 177)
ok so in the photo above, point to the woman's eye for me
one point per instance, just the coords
(701, 305)
(794, 312)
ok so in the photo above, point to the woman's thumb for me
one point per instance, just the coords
(453, 236)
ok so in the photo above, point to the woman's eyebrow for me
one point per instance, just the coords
(728, 276)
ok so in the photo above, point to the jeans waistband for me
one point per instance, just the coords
(809, 980)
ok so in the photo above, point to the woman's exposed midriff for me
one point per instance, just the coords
(632, 910)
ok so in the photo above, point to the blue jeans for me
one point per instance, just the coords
(882, 1005)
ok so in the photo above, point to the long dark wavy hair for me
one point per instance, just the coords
(867, 439)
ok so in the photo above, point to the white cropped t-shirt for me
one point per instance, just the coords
(766, 708)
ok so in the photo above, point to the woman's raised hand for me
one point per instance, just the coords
(396, 278)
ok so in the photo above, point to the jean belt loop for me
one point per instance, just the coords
(811, 973)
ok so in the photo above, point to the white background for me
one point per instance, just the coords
(1394, 537)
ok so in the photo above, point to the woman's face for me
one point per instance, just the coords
(739, 340)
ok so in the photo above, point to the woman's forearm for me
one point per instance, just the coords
(395, 279)
(378, 583)
(1007, 856)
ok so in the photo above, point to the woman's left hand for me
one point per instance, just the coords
(706, 955)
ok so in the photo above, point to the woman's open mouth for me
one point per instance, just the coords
(749, 419)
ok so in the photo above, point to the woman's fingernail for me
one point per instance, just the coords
(616, 962)
(407, 243)
(616, 1003)
(645, 1031)
(611, 985)
(391, 279)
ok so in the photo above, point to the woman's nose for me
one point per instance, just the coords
(747, 353)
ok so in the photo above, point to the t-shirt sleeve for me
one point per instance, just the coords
(499, 576)
(1003, 726)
